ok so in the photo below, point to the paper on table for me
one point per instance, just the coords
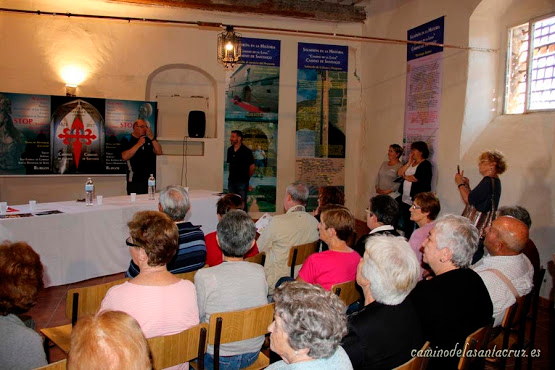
(262, 222)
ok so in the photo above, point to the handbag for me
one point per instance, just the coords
(482, 220)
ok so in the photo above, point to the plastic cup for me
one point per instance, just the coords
(133, 197)
(99, 200)
(32, 205)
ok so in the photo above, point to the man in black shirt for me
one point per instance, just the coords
(140, 154)
(240, 165)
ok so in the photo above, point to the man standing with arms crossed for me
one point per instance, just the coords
(140, 154)
(240, 165)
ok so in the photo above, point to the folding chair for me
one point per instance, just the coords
(475, 342)
(347, 292)
(416, 363)
(299, 253)
(260, 258)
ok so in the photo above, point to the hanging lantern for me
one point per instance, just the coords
(229, 47)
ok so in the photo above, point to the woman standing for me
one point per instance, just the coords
(417, 176)
(482, 201)
(385, 184)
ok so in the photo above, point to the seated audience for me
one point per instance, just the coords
(506, 271)
(339, 263)
(191, 252)
(20, 284)
(213, 251)
(308, 326)
(381, 214)
(530, 250)
(424, 211)
(295, 227)
(231, 286)
(383, 334)
(162, 303)
(455, 302)
(109, 340)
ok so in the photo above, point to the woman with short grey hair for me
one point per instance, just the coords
(384, 333)
(309, 323)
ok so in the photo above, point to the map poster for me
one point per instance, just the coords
(423, 86)
(251, 106)
(43, 134)
(321, 116)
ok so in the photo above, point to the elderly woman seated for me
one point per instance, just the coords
(20, 284)
(383, 334)
(309, 323)
(233, 285)
(162, 303)
(109, 340)
(339, 263)
(455, 302)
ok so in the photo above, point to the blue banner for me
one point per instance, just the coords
(428, 32)
(323, 57)
(260, 52)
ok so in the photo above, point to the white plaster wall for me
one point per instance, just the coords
(470, 120)
(120, 56)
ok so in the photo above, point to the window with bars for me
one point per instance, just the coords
(530, 79)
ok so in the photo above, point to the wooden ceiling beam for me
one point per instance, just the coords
(317, 10)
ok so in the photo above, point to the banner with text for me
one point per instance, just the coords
(251, 106)
(42, 134)
(423, 86)
(321, 116)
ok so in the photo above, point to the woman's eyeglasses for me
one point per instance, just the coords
(130, 243)
(414, 206)
(370, 214)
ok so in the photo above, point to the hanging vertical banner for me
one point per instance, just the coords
(321, 116)
(423, 86)
(252, 97)
(43, 134)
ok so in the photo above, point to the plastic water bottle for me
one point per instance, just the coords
(151, 187)
(89, 192)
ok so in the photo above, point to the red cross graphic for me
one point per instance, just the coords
(80, 133)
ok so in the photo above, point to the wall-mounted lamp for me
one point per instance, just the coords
(229, 47)
(72, 76)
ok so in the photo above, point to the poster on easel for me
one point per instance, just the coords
(321, 117)
(65, 135)
(252, 102)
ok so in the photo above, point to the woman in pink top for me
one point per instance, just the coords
(424, 211)
(339, 263)
(162, 303)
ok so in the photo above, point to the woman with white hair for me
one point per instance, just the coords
(309, 323)
(455, 302)
(384, 333)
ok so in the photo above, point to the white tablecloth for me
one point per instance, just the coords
(87, 242)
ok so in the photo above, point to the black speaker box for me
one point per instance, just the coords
(197, 123)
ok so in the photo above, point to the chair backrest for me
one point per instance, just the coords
(187, 276)
(346, 291)
(233, 326)
(58, 365)
(171, 350)
(87, 300)
(299, 253)
(260, 258)
(475, 342)
(416, 363)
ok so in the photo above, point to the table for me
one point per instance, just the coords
(89, 241)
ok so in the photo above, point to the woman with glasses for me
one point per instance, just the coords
(424, 211)
(162, 303)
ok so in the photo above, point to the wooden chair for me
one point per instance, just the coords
(260, 258)
(227, 327)
(171, 350)
(79, 302)
(299, 253)
(58, 365)
(533, 318)
(475, 342)
(416, 363)
(347, 292)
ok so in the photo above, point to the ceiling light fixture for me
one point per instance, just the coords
(229, 47)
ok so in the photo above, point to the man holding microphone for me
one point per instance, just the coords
(140, 153)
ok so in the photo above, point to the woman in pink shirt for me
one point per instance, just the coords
(162, 303)
(339, 263)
